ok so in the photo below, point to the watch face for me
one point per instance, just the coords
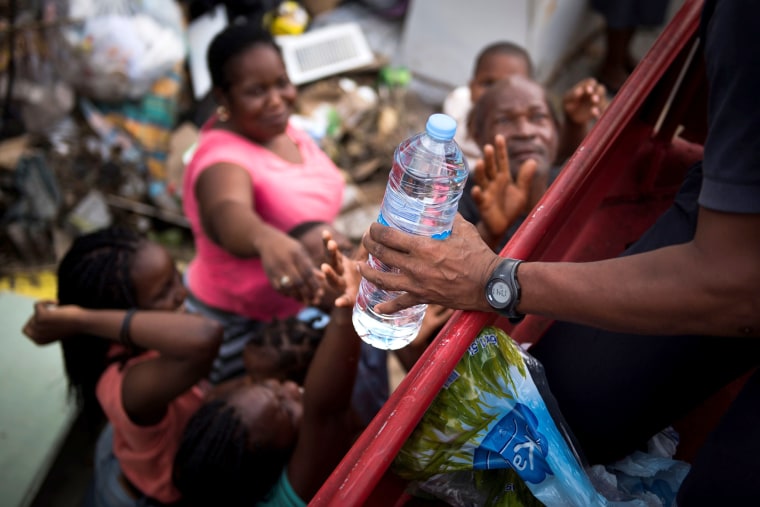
(500, 293)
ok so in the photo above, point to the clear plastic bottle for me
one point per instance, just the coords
(424, 187)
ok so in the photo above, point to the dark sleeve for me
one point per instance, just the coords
(732, 151)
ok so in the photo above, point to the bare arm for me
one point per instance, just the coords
(707, 286)
(187, 345)
(227, 212)
(328, 426)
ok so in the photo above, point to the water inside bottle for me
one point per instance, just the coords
(425, 183)
(384, 331)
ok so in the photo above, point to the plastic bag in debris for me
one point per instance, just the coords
(653, 479)
(495, 419)
(115, 49)
(40, 195)
(43, 98)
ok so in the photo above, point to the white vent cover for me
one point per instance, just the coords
(324, 52)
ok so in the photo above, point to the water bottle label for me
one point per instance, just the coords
(439, 236)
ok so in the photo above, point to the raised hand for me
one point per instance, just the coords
(584, 102)
(500, 199)
(340, 272)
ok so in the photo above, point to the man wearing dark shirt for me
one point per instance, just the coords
(655, 331)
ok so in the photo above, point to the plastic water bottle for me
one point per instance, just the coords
(424, 187)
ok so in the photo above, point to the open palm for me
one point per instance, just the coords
(500, 199)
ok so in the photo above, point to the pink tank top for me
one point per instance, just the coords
(285, 195)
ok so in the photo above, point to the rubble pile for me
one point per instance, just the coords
(48, 197)
(363, 122)
(78, 152)
(53, 188)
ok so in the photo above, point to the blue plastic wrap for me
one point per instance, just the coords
(494, 436)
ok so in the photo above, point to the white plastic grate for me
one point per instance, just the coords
(324, 52)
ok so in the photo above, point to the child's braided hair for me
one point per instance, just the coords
(95, 274)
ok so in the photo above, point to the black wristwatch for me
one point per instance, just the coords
(503, 290)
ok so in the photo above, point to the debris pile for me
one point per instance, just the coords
(74, 159)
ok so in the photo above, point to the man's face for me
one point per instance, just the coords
(518, 110)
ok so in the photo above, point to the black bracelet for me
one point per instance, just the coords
(124, 336)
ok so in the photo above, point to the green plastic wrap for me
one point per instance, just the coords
(494, 436)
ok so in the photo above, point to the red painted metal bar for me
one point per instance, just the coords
(578, 192)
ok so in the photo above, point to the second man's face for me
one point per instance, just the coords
(518, 110)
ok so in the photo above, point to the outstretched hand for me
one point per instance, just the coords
(500, 199)
(451, 272)
(291, 270)
(584, 102)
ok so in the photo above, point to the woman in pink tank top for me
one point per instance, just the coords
(252, 178)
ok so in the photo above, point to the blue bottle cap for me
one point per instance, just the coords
(441, 127)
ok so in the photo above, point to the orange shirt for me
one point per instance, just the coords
(146, 453)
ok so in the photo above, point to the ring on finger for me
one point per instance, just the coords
(285, 281)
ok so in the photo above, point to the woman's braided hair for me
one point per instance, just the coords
(95, 273)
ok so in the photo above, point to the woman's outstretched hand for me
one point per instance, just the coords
(290, 269)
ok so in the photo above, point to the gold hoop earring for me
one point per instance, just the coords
(222, 114)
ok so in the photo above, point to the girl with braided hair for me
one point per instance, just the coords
(131, 354)
(271, 443)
